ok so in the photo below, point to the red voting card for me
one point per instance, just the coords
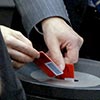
(47, 65)
(51, 69)
(68, 72)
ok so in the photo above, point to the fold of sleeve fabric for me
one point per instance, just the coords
(34, 11)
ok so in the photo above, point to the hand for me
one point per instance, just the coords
(59, 35)
(17, 64)
(18, 46)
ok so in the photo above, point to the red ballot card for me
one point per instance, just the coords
(47, 65)
(52, 70)
(68, 72)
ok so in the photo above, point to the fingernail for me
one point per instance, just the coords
(62, 67)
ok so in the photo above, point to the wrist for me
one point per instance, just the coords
(52, 20)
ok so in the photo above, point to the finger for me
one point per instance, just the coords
(18, 56)
(23, 48)
(72, 55)
(55, 53)
(17, 65)
(22, 38)
(18, 35)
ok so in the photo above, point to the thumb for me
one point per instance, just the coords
(55, 54)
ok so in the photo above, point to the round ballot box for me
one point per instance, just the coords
(85, 86)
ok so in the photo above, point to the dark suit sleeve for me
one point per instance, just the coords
(34, 11)
(11, 88)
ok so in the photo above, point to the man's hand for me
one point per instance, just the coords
(18, 46)
(59, 35)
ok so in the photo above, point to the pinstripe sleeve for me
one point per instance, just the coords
(34, 11)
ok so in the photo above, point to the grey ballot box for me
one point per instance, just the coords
(6, 12)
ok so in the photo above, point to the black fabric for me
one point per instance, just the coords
(90, 30)
(76, 10)
(85, 21)
(11, 86)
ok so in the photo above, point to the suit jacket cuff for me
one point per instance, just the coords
(35, 11)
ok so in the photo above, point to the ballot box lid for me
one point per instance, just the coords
(86, 85)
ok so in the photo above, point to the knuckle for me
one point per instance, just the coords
(18, 33)
(30, 43)
(8, 40)
(79, 40)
